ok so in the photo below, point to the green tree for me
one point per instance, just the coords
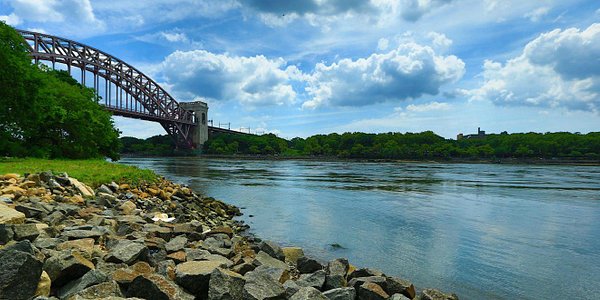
(45, 113)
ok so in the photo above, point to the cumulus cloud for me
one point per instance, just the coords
(407, 72)
(320, 7)
(439, 40)
(252, 81)
(12, 19)
(559, 68)
(431, 106)
(55, 11)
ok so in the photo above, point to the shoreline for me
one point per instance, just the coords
(158, 240)
(509, 161)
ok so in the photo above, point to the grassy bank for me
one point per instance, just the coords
(92, 172)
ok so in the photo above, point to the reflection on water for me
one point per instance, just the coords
(482, 231)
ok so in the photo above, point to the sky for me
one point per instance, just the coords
(305, 67)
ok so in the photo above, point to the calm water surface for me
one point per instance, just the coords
(482, 231)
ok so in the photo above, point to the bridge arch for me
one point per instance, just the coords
(136, 95)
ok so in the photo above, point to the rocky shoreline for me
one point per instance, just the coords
(61, 239)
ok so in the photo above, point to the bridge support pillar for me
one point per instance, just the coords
(200, 109)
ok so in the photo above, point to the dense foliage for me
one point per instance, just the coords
(46, 113)
(424, 145)
(160, 145)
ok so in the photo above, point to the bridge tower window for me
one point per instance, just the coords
(203, 118)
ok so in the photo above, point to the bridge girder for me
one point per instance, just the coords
(149, 101)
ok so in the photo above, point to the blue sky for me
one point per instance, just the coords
(298, 68)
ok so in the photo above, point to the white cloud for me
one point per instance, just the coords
(383, 44)
(440, 41)
(252, 81)
(537, 14)
(12, 19)
(557, 69)
(175, 36)
(431, 106)
(71, 14)
(407, 72)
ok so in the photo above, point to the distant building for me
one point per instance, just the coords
(479, 135)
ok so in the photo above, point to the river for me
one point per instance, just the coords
(483, 231)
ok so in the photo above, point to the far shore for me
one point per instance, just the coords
(515, 161)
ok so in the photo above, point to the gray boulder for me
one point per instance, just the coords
(66, 266)
(260, 286)
(194, 276)
(176, 244)
(346, 293)
(264, 259)
(272, 249)
(225, 285)
(308, 265)
(308, 293)
(127, 252)
(25, 232)
(152, 286)
(398, 297)
(315, 280)
(395, 285)
(291, 287)
(90, 278)
(19, 274)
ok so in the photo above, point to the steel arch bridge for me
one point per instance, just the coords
(127, 91)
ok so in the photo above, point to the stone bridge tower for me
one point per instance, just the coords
(200, 109)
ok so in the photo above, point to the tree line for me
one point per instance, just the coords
(393, 145)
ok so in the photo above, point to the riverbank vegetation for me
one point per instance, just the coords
(46, 113)
(424, 145)
(93, 172)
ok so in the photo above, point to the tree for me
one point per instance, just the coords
(46, 113)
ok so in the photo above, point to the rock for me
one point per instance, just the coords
(345, 293)
(308, 265)
(100, 291)
(178, 256)
(25, 232)
(85, 190)
(221, 229)
(281, 275)
(166, 268)
(432, 294)
(395, 285)
(398, 297)
(152, 286)
(83, 245)
(104, 189)
(11, 189)
(127, 252)
(176, 244)
(316, 279)
(127, 275)
(10, 216)
(262, 258)
(291, 287)
(43, 288)
(66, 266)
(20, 273)
(28, 210)
(6, 233)
(355, 282)
(128, 207)
(90, 278)
(308, 293)
(225, 285)
(365, 272)
(272, 249)
(194, 276)
(371, 291)
(292, 254)
(336, 273)
(82, 234)
(260, 286)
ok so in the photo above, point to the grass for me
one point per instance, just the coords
(92, 172)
